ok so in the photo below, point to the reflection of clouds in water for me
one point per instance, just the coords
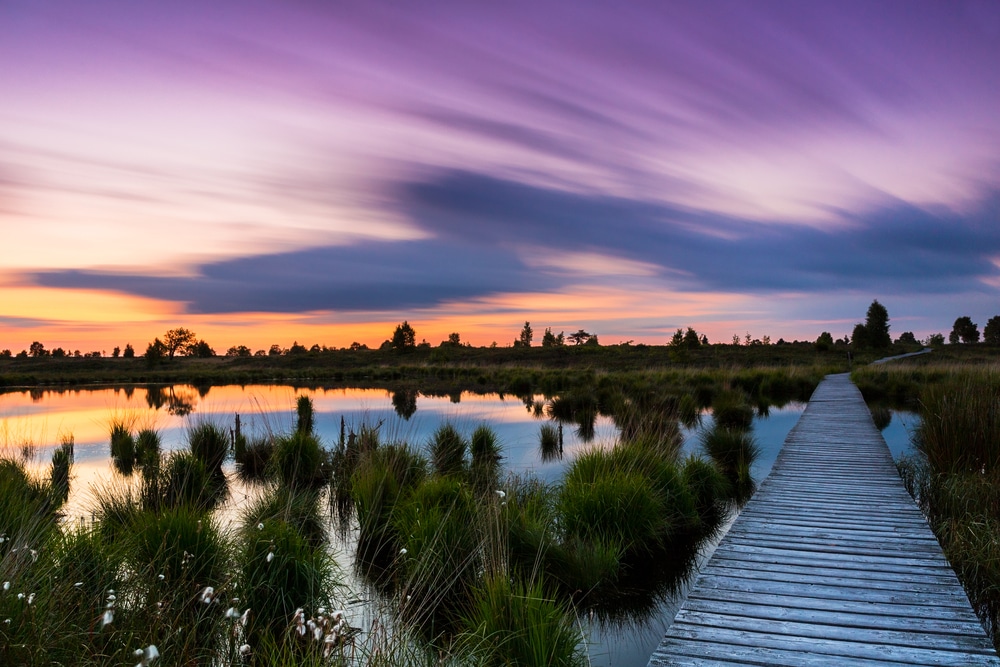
(88, 414)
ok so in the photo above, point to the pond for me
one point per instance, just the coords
(33, 423)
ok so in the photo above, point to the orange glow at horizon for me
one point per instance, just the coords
(89, 320)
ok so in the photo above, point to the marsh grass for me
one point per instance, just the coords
(512, 622)
(210, 444)
(548, 442)
(955, 477)
(733, 451)
(299, 460)
(732, 410)
(60, 470)
(253, 458)
(448, 449)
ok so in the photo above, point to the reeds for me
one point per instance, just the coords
(955, 477)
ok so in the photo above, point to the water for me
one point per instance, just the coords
(39, 419)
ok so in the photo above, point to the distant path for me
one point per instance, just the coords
(830, 563)
(926, 350)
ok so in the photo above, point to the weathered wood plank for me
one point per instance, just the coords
(829, 563)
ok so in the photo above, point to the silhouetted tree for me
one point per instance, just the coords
(859, 337)
(526, 335)
(404, 338)
(551, 340)
(454, 340)
(907, 337)
(824, 342)
(5, 354)
(116, 352)
(965, 330)
(200, 349)
(178, 340)
(691, 339)
(356, 346)
(155, 351)
(935, 340)
(238, 351)
(129, 352)
(991, 332)
(579, 338)
(592, 341)
(877, 326)
(297, 349)
(274, 351)
(36, 349)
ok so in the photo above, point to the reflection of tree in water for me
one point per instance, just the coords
(178, 400)
(404, 402)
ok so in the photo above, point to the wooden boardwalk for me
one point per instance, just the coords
(830, 563)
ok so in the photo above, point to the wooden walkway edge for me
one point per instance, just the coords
(830, 563)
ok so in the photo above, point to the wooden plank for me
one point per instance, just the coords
(829, 563)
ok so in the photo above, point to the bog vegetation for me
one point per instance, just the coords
(462, 562)
(954, 472)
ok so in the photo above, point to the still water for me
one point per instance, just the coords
(33, 423)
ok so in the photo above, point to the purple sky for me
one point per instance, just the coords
(247, 168)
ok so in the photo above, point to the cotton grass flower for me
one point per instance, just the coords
(147, 655)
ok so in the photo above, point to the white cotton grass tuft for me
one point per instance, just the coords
(207, 594)
(148, 655)
(270, 556)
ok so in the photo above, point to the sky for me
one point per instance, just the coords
(269, 172)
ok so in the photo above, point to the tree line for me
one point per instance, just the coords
(872, 334)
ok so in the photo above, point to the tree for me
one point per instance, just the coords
(200, 349)
(877, 326)
(676, 340)
(297, 349)
(238, 351)
(580, 337)
(5, 354)
(178, 340)
(592, 341)
(691, 340)
(129, 352)
(59, 353)
(935, 340)
(907, 337)
(991, 333)
(454, 340)
(404, 338)
(965, 330)
(859, 337)
(115, 353)
(274, 350)
(824, 342)
(526, 335)
(155, 351)
(549, 339)
(36, 349)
